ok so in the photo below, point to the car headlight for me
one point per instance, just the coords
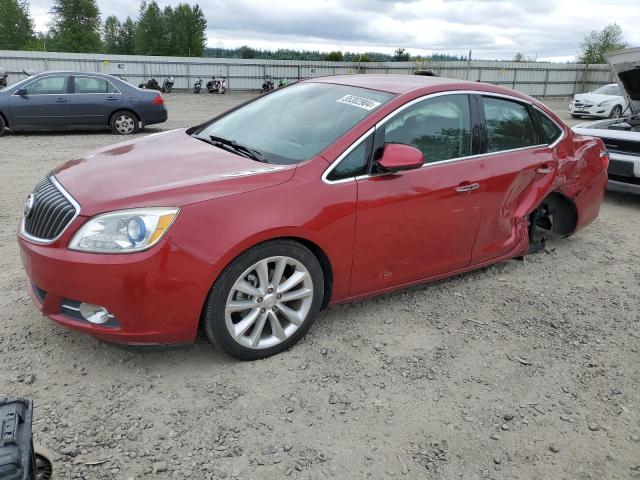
(602, 104)
(124, 231)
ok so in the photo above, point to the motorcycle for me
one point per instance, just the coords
(167, 85)
(283, 82)
(3, 78)
(197, 86)
(151, 84)
(268, 84)
(216, 85)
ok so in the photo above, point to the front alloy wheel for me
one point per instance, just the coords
(265, 300)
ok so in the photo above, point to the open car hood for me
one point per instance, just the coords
(626, 67)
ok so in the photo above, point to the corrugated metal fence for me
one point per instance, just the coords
(536, 79)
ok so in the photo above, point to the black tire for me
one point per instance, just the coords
(116, 125)
(616, 112)
(573, 115)
(213, 321)
(3, 126)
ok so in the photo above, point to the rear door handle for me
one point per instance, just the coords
(112, 98)
(61, 100)
(544, 169)
(467, 187)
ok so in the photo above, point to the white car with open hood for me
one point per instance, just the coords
(621, 135)
(606, 102)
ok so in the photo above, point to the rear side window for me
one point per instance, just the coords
(440, 127)
(92, 85)
(509, 125)
(550, 130)
(354, 164)
(48, 86)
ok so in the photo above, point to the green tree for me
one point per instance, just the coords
(16, 25)
(247, 52)
(151, 30)
(188, 31)
(75, 26)
(334, 56)
(128, 37)
(401, 55)
(596, 44)
(111, 35)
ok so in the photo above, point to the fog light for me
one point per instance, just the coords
(95, 313)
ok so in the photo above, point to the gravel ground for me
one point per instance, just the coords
(526, 369)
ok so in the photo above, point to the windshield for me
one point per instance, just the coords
(19, 82)
(608, 90)
(297, 122)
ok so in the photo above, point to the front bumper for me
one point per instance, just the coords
(156, 296)
(590, 110)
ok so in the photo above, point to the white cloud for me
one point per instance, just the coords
(548, 29)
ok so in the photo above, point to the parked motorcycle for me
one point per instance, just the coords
(268, 84)
(197, 86)
(216, 85)
(3, 78)
(283, 82)
(151, 84)
(167, 85)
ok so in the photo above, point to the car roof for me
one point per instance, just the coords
(72, 72)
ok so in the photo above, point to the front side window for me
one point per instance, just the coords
(48, 86)
(298, 122)
(509, 125)
(92, 85)
(353, 164)
(440, 127)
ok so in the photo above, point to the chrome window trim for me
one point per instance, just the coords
(73, 202)
(45, 94)
(451, 160)
(344, 154)
(117, 90)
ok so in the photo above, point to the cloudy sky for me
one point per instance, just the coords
(493, 29)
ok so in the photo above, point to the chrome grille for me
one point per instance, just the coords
(51, 210)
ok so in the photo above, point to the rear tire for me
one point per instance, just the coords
(124, 122)
(244, 295)
(3, 126)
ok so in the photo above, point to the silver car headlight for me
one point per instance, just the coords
(124, 231)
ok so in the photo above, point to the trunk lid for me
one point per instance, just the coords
(625, 65)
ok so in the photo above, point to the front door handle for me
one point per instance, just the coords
(467, 187)
(112, 98)
(544, 169)
(61, 100)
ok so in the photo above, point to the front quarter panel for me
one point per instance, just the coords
(306, 208)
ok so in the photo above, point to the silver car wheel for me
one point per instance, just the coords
(125, 124)
(269, 302)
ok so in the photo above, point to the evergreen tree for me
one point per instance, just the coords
(150, 30)
(16, 25)
(111, 35)
(128, 37)
(75, 26)
(188, 31)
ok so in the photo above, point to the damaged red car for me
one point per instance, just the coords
(323, 192)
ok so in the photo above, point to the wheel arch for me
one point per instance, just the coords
(126, 109)
(5, 117)
(563, 210)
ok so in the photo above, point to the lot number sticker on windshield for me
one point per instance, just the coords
(359, 102)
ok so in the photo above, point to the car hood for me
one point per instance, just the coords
(594, 98)
(163, 169)
(626, 68)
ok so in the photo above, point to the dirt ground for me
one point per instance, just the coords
(523, 370)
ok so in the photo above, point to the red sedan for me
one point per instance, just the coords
(327, 191)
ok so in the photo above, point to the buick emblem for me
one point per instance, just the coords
(28, 205)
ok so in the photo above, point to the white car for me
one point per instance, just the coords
(606, 101)
(621, 136)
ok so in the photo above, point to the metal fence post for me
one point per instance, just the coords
(546, 83)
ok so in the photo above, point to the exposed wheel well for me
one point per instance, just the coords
(557, 213)
(4, 117)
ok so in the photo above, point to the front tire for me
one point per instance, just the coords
(3, 126)
(573, 115)
(265, 300)
(616, 112)
(124, 122)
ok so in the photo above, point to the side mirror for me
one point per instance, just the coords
(22, 92)
(397, 156)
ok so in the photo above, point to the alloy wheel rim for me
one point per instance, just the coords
(269, 302)
(124, 124)
(616, 112)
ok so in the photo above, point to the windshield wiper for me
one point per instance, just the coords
(237, 148)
